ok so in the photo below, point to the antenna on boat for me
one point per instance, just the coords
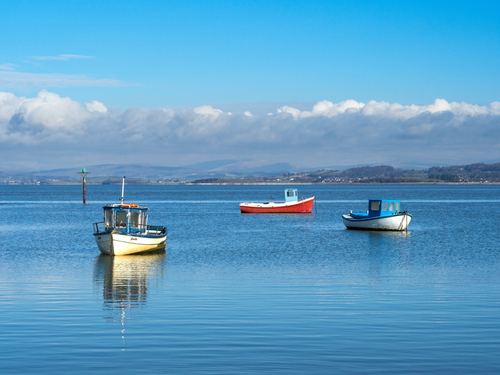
(123, 188)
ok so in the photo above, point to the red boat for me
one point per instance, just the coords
(291, 205)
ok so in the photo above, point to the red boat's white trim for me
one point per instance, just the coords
(302, 206)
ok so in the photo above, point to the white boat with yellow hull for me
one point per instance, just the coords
(381, 215)
(123, 244)
(125, 230)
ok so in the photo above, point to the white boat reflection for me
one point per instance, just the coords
(125, 280)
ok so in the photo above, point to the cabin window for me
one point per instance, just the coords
(384, 206)
(289, 193)
(121, 219)
(375, 206)
(391, 206)
(108, 218)
(134, 219)
(397, 206)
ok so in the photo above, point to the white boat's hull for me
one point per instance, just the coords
(393, 222)
(124, 244)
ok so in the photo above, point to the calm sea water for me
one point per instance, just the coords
(236, 294)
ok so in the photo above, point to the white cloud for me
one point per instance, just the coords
(9, 78)
(62, 57)
(19, 79)
(328, 109)
(348, 132)
(325, 109)
(9, 105)
(7, 66)
(286, 110)
(95, 106)
(52, 112)
(207, 111)
(46, 118)
(391, 110)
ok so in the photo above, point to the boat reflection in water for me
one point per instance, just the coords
(124, 282)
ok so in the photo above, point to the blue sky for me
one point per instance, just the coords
(152, 54)
(176, 53)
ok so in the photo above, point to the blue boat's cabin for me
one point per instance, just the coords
(383, 207)
(125, 218)
(291, 195)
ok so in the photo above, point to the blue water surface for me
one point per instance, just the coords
(239, 294)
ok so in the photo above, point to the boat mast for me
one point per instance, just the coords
(123, 188)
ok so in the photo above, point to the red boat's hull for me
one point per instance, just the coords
(300, 207)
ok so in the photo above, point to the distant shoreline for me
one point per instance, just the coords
(373, 175)
(254, 183)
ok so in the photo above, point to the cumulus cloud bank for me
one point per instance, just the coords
(55, 131)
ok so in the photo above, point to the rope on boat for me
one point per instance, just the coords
(406, 221)
(111, 252)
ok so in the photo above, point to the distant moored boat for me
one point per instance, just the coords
(382, 214)
(292, 204)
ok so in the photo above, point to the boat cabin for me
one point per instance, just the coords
(126, 218)
(383, 207)
(291, 195)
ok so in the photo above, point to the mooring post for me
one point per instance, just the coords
(84, 173)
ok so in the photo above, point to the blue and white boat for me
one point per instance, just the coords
(382, 214)
(125, 230)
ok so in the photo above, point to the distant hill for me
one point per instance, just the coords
(143, 171)
(378, 174)
(253, 167)
(213, 169)
(381, 171)
(478, 171)
(209, 165)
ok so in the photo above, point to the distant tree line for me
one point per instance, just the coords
(381, 174)
(445, 177)
(382, 171)
(471, 172)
